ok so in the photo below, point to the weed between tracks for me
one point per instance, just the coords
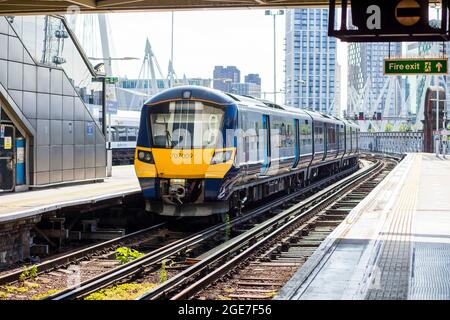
(126, 291)
(125, 255)
(45, 294)
(30, 272)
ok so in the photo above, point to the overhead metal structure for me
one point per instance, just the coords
(20, 7)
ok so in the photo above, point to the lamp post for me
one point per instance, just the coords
(105, 97)
(274, 13)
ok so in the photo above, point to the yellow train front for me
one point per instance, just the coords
(202, 152)
(182, 154)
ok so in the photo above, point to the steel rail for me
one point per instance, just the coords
(286, 217)
(240, 257)
(164, 252)
(74, 256)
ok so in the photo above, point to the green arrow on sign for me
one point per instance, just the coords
(410, 66)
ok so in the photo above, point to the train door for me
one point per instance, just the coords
(7, 172)
(297, 143)
(266, 144)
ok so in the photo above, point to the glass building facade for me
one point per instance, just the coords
(310, 61)
(366, 76)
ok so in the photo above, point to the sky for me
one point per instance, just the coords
(202, 39)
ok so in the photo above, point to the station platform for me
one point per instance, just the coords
(14, 206)
(394, 245)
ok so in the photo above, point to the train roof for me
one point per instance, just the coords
(194, 92)
(219, 97)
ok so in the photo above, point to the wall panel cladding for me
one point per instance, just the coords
(69, 145)
(43, 79)
(3, 71)
(3, 26)
(43, 106)
(4, 46)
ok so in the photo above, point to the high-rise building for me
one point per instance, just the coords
(310, 61)
(337, 91)
(246, 89)
(228, 79)
(253, 78)
(367, 84)
(224, 76)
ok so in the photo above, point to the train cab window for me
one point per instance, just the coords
(185, 124)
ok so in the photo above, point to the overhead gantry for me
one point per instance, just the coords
(19, 7)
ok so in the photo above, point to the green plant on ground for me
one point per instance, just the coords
(31, 285)
(126, 291)
(221, 297)
(125, 255)
(14, 289)
(45, 294)
(28, 272)
(271, 294)
(3, 295)
(163, 272)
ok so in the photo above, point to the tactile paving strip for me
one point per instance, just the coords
(391, 274)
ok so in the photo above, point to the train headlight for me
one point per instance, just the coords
(145, 156)
(221, 156)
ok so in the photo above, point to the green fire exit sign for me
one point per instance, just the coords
(415, 66)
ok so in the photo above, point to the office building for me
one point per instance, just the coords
(310, 61)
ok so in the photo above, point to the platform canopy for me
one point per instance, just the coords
(21, 7)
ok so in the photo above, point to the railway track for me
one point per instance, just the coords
(183, 252)
(260, 271)
(80, 265)
(192, 253)
(262, 240)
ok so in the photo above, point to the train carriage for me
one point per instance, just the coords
(203, 152)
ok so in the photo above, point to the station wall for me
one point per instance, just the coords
(66, 143)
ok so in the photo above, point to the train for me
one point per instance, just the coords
(124, 131)
(203, 152)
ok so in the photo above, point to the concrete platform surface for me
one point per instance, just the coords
(394, 245)
(26, 204)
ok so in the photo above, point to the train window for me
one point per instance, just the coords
(348, 138)
(305, 138)
(121, 134)
(283, 137)
(186, 124)
(354, 142)
(319, 137)
(131, 133)
(341, 137)
(251, 137)
(331, 132)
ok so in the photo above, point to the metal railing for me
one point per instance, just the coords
(391, 142)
